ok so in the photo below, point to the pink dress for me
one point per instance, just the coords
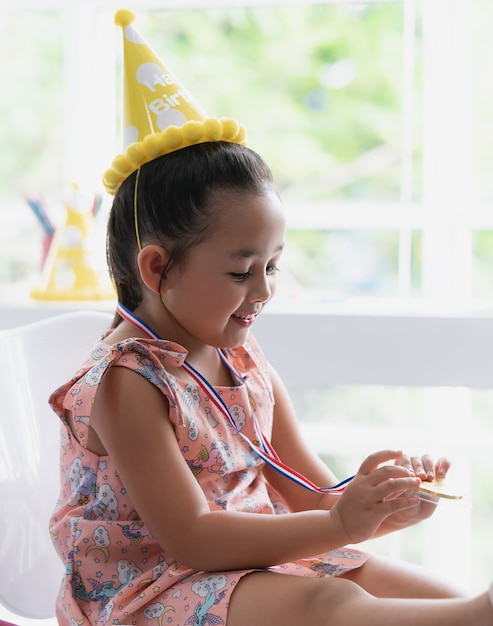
(115, 572)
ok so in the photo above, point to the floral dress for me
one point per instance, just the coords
(115, 572)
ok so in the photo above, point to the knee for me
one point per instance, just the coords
(329, 600)
(284, 600)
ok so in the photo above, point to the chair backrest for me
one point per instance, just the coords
(34, 360)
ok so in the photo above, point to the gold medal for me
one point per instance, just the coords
(438, 489)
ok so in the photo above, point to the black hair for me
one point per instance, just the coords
(175, 194)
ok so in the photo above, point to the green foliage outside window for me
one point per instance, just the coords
(318, 87)
(320, 90)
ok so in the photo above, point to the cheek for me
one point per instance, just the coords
(206, 298)
(221, 299)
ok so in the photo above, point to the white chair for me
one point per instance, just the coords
(34, 360)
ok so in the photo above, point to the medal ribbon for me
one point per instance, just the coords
(264, 450)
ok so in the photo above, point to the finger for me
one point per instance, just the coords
(423, 467)
(428, 466)
(386, 473)
(442, 466)
(405, 461)
(376, 459)
(396, 488)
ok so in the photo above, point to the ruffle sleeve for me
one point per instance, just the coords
(147, 357)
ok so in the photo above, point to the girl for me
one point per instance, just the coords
(171, 509)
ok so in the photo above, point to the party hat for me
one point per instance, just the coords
(159, 114)
(70, 271)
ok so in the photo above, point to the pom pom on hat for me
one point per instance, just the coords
(160, 116)
(124, 17)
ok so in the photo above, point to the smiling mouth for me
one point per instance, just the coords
(246, 318)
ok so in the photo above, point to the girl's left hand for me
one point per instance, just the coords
(424, 468)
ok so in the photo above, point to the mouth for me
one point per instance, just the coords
(245, 319)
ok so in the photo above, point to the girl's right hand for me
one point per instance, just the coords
(376, 492)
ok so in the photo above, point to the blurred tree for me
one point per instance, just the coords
(318, 87)
(31, 103)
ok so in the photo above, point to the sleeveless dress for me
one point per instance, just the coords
(115, 572)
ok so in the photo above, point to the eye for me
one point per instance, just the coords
(271, 269)
(240, 276)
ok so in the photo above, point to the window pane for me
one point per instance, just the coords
(344, 424)
(346, 263)
(31, 102)
(322, 103)
(483, 97)
(483, 264)
(31, 135)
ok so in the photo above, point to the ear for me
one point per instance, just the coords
(152, 260)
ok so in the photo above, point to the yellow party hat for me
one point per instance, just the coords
(159, 115)
(70, 271)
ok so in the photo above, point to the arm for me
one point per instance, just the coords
(129, 416)
(288, 442)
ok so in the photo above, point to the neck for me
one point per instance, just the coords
(210, 364)
(202, 357)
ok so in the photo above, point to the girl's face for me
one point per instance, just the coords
(227, 279)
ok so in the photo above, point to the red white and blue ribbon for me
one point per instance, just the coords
(264, 450)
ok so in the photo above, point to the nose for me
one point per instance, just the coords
(262, 289)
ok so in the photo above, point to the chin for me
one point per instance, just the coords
(235, 342)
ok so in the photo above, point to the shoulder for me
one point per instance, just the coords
(147, 358)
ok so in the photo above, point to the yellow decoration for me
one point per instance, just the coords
(69, 272)
(159, 115)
